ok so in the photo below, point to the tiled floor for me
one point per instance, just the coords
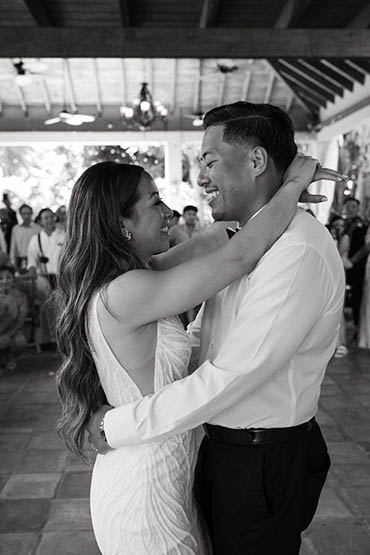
(44, 508)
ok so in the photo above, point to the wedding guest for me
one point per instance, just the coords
(21, 236)
(8, 219)
(356, 229)
(175, 218)
(61, 217)
(3, 249)
(43, 255)
(187, 230)
(364, 327)
(13, 312)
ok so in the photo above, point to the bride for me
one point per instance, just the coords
(118, 322)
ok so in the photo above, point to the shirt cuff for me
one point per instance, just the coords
(120, 426)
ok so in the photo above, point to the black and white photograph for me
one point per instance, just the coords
(184, 277)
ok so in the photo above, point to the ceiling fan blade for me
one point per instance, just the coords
(85, 118)
(73, 121)
(51, 121)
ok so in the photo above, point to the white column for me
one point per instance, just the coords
(173, 168)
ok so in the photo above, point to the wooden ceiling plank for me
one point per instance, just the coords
(221, 89)
(198, 88)
(21, 99)
(45, 92)
(246, 85)
(328, 73)
(269, 87)
(289, 101)
(306, 108)
(208, 14)
(306, 81)
(173, 42)
(99, 106)
(309, 92)
(39, 13)
(362, 19)
(174, 87)
(291, 12)
(346, 69)
(315, 107)
(318, 79)
(124, 11)
(70, 88)
(124, 84)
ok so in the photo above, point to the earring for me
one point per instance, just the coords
(127, 234)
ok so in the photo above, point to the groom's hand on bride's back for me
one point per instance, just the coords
(95, 428)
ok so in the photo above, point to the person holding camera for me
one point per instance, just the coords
(43, 261)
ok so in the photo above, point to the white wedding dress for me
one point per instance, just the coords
(141, 496)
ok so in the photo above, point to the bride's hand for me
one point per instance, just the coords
(304, 170)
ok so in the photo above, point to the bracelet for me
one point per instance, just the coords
(102, 431)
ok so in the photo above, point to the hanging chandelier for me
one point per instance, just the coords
(144, 111)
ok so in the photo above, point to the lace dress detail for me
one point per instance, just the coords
(141, 496)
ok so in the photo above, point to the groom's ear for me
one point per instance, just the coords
(259, 160)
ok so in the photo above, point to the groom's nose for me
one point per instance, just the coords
(203, 179)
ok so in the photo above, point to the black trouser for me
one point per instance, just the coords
(257, 499)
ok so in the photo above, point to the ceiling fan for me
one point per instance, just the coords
(70, 117)
(23, 71)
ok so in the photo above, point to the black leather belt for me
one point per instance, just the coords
(256, 436)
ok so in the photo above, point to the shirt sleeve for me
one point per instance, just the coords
(32, 253)
(13, 253)
(272, 320)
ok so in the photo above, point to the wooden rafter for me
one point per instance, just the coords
(175, 42)
(292, 88)
(246, 84)
(45, 92)
(197, 98)
(208, 14)
(99, 106)
(221, 88)
(124, 83)
(291, 12)
(305, 71)
(70, 87)
(306, 81)
(289, 101)
(362, 19)
(39, 12)
(21, 99)
(328, 72)
(174, 87)
(269, 87)
(124, 13)
(306, 89)
(346, 69)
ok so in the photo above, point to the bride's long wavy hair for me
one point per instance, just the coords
(95, 253)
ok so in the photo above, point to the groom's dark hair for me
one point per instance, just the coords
(260, 124)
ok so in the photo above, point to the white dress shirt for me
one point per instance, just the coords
(51, 248)
(265, 342)
(21, 236)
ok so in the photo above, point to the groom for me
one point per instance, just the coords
(265, 342)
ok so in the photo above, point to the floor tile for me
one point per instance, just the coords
(339, 537)
(9, 461)
(26, 515)
(42, 460)
(17, 544)
(71, 514)
(74, 484)
(68, 543)
(331, 505)
(30, 486)
(45, 440)
(347, 452)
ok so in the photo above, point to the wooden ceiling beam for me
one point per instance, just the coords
(306, 89)
(328, 73)
(148, 42)
(99, 106)
(363, 65)
(21, 99)
(246, 84)
(39, 12)
(208, 14)
(362, 19)
(45, 92)
(269, 87)
(124, 13)
(301, 69)
(291, 13)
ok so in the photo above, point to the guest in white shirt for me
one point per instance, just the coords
(43, 255)
(21, 236)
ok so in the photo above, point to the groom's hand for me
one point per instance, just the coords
(95, 437)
